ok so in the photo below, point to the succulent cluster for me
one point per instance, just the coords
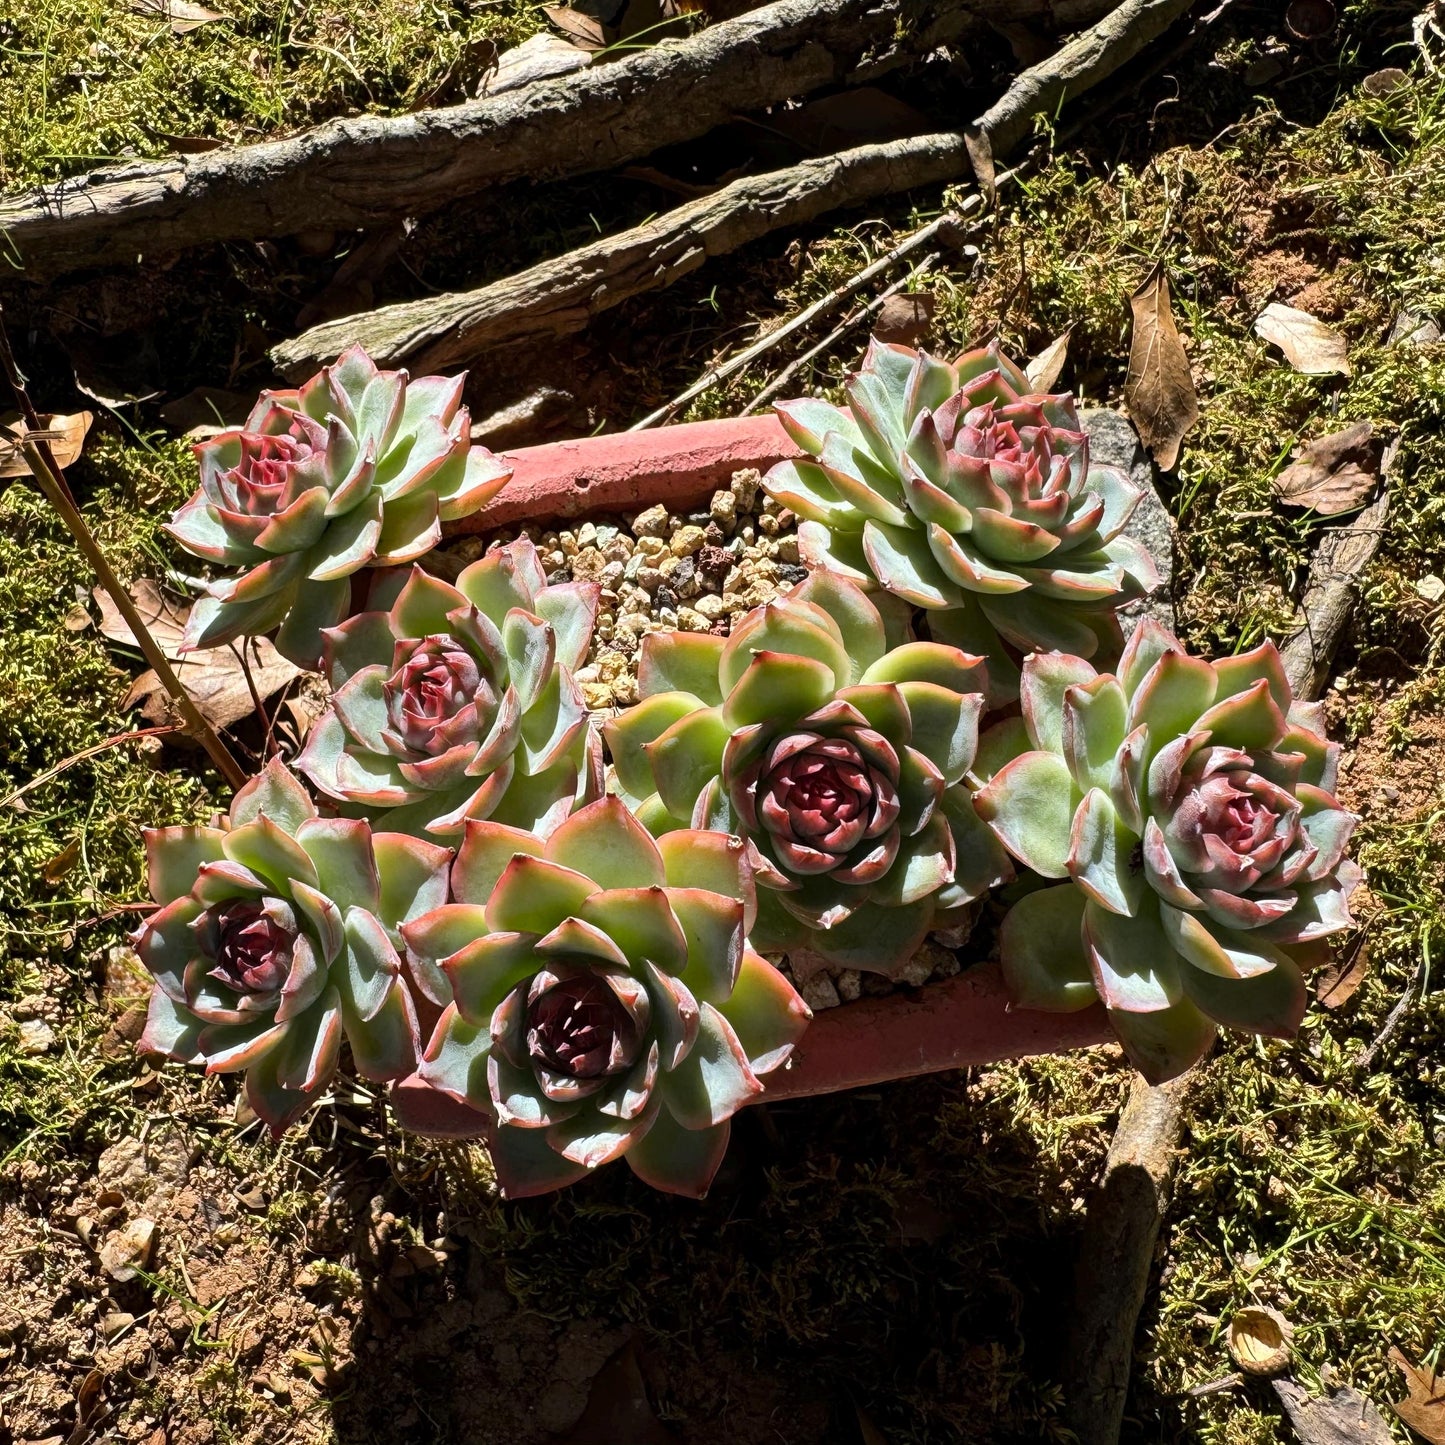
(837, 751)
(458, 701)
(954, 487)
(1190, 805)
(602, 1000)
(581, 974)
(277, 937)
(356, 468)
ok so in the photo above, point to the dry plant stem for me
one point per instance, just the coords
(361, 171)
(26, 407)
(58, 495)
(837, 333)
(1124, 1217)
(560, 296)
(114, 741)
(953, 147)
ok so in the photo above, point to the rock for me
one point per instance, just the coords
(36, 1037)
(116, 1323)
(653, 522)
(129, 1249)
(136, 1169)
(744, 487)
(597, 694)
(690, 620)
(610, 665)
(589, 564)
(624, 690)
(710, 607)
(723, 509)
(687, 540)
(1113, 442)
(849, 984)
(819, 992)
(1411, 329)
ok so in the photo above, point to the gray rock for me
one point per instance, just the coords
(1113, 442)
(1412, 329)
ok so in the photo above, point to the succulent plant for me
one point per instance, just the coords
(601, 1000)
(837, 749)
(356, 468)
(1191, 805)
(954, 487)
(459, 701)
(276, 937)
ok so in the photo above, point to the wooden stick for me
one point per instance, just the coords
(943, 225)
(1122, 1227)
(360, 171)
(51, 481)
(862, 313)
(437, 333)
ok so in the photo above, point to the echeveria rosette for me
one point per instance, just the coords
(602, 1000)
(837, 749)
(356, 468)
(277, 937)
(1191, 805)
(459, 701)
(955, 487)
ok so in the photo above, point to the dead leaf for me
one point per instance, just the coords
(184, 15)
(584, 31)
(89, 1407)
(868, 1432)
(1383, 82)
(117, 370)
(905, 319)
(618, 1408)
(1043, 370)
(1309, 346)
(54, 869)
(214, 678)
(1334, 474)
(1337, 983)
(862, 116)
(66, 435)
(1159, 390)
(1423, 1409)
(1341, 1417)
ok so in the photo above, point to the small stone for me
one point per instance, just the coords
(587, 534)
(36, 1037)
(917, 971)
(819, 992)
(711, 607)
(588, 673)
(687, 540)
(733, 604)
(555, 560)
(1430, 587)
(768, 526)
(619, 549)
(849, 984)
(723, 509)
(744, 487)
(624, 690)
(597, 694)
(651, 546)
(610, 665)
(790, 574)
(667, 600)
(129, 1249)
(785, 549)
(611, 575)
(651, 523)
(649, 579)
(589, 564)
(567, 543)
(714, 535)
(691, 620)
(635, 604)
(114, 1324)
(713, 562)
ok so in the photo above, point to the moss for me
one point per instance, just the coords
(84, 82)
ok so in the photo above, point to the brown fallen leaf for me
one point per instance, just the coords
(65, 433)
(215, 678)
(868, 1432)
(584, 31)
(54, 869)
(1342, 1416)
(1334, 474)
(1043, 370)
(1159, 389)
(1309, 346)
(1337, 983)
(1259, 1340)
(1423, 1409)
(184, 15)
(905, 319)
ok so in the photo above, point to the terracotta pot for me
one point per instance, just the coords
(950, 1024)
